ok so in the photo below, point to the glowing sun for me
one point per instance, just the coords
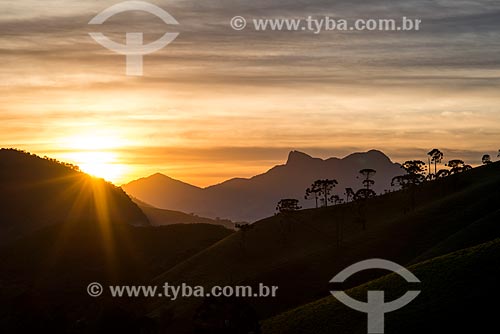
(100, 164)
(95, 155)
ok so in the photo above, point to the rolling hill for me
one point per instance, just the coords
(454, 300)
(300, 252)
(255, 198)
(44, 276)
(62, 229)
(36, 192)
(47, 263)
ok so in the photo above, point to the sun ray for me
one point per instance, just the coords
(96, 155)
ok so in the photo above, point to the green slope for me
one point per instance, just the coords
(458, 292)
(299, 252)
(482, 230)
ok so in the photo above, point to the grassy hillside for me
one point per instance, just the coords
(299, 252)
(114, 252)
(457, 296)
(482, 230)
(66, 229)
(36, 192)
(50, 270)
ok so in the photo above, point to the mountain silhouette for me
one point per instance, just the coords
(249, 199)
(161, 217)
(47, 266)
(61, 229)
(300, 251)
(36, 193)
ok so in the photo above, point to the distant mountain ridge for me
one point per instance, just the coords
(161, 217)
(300, 252)
(249, 199)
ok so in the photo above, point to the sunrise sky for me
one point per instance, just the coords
(217, 103)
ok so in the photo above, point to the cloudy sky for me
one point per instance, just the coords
(219, 103)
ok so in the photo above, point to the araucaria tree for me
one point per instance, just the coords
(313, 192)
(335, 199)
(415, 170)
(288, 205)
(435, 156)
(368, 182)
(364, 194)
(367, 177)
(458, 166)
(442, 173)
(321, 189)
(349, 194)
(414, 167)
(486, 159)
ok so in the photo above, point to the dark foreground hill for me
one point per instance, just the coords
(45, 272)
(44, 276)
(254, 198)
(61, 230)
(458, 295)
(36, 192)
(300, 252)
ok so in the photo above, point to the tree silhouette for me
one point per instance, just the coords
(414, 167)
(442, 173)
(288, 205)
(414, 176)
(486, 159)
(368, 174)
(401, 180)
(243, 226)
(321, 188)
(435, 156)
(313, 192)
(364, 194)
(458, 166)
(335, 199)
(349, 194)
(415, 170)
